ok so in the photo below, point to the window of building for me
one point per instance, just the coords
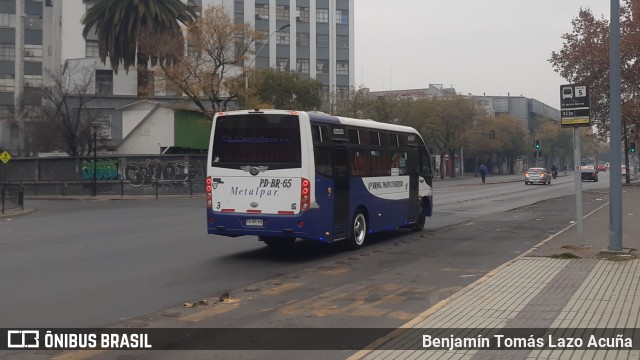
(262, 11)
(342, 92)
(48, 3)
(342, 41)
(104, 82)
(91, 48)
(322, 66)
(303, 66)
(7, 52)
(322, 15)
(342, 16)
(282, 12)
(322, 40)
(302, 39)
(102, 124)
(302, 14)
(14, 131)
(282, 64)
(7, 20)
(282, 37)
(342, 67)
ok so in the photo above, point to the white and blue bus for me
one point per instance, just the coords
(282, 175)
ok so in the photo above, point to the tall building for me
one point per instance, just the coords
(27, 34)
(318, 43)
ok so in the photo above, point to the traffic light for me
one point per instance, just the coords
(537, 144)
(632, 147)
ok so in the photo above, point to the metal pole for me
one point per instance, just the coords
(95, 163)
(615, 185)
(577, 180)
(462, 161)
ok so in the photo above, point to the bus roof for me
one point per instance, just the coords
(331, 119)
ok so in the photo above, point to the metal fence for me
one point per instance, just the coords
(122, 188)
(11, 196)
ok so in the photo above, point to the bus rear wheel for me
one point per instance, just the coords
(277, 242)
(358, 231)
(422, 219)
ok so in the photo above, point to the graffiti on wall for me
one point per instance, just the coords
(176, 172)
(106, 169)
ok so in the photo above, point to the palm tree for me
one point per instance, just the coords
(124, 27)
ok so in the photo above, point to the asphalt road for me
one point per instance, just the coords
(134, 263)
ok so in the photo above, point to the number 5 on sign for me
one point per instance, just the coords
(581, 91)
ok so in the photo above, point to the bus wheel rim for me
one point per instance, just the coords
(359, 229)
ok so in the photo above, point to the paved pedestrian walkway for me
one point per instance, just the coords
(569, 286)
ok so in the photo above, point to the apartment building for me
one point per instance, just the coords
(317, 43)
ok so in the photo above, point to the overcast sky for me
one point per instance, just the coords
(489, 47)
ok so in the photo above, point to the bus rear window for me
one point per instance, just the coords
(257, 139)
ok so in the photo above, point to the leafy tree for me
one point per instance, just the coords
(126, 29)
(584, 58)
(286, 90)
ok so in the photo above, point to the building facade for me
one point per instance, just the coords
(318, 43)
(40, 37)
(525, 110)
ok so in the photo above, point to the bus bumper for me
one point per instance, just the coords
(304, 225)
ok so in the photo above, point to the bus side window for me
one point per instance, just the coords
(360, 164)
(322, 157)
(380, 163)
(399, 163)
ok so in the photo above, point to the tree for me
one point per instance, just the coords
(286, 90)
(128, 30)
(584, 59)
(212, 67)
(66, 116)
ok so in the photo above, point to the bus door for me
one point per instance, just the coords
(413, 164)
(341, 193)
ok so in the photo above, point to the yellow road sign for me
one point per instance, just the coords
(5, 157)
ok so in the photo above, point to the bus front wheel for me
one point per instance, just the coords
(358, 231)
(277, 242)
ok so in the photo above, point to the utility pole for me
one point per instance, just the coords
(94, 184)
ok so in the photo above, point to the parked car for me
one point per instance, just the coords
(589, 172)
(537, 175)
(602, 167)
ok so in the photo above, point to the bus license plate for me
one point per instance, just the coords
(254, 222)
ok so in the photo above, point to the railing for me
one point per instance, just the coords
(11, 196)
(122, 188)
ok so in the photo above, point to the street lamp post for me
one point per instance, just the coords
(246, 77)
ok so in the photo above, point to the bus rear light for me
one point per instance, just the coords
(304, 192)
(285, 212)
(208, 191)
(228, 210)
(254, 211)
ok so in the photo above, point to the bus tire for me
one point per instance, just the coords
(358, 231)
(277, 242)
(422, 219)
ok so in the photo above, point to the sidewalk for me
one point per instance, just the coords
(544, 288)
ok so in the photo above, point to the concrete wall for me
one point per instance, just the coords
(175, 174)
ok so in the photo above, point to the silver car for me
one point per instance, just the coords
(537, 175)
